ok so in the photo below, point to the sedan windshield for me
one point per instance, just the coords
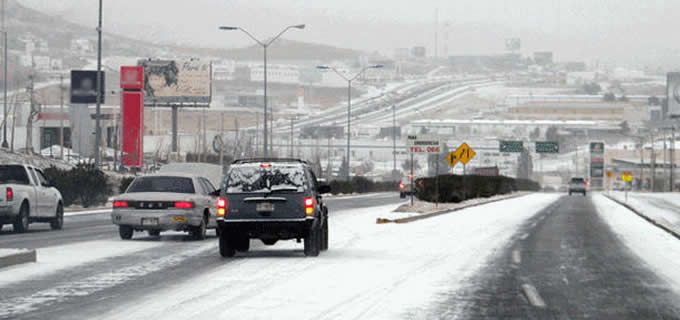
(162, 184)
(254, 179)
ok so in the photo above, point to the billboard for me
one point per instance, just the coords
(177, 81)
(132, 124)
(673, 92)
(84, 88)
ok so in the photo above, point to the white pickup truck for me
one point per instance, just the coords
(26, 196)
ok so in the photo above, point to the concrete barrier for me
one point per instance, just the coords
(11, 257)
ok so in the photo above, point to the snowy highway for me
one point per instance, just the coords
(535, 256)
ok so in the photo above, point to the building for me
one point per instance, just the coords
(543, 58)
(418, 52)
(276, 73)
(485, 63)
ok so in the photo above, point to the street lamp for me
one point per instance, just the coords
(349, 103)
(264, 45)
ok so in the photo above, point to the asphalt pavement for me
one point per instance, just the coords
(566, 263)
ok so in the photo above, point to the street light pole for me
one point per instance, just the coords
(349, 106)
(98, 129)
(265, 46)
(4, 77)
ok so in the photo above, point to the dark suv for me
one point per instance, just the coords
(271, 200)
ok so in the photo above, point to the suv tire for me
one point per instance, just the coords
(58, 222)
(242, 243)
(154, 233)
(313, 242)
(324, 235)
(227, 249)
(21, 223)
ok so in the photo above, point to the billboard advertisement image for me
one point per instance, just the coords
(176, 81)
(673, 91)
(84, 87)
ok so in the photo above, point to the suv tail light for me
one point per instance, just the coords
(402, 186)
(222, 204)
(120, 204)
(184, 205)
(309, 206)
(9, 194)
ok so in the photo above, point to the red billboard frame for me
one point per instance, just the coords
(132, 77)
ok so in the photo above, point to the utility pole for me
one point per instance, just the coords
(672, 160)
(292, 127)
(665, 158)
(642, 162)
(222, 139)
(61, 116)
(31, 113)
(98, 115)
(4, 77)
(394, 140)
(653, 164)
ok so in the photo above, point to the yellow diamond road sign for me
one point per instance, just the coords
(463, 154)
(452, 159)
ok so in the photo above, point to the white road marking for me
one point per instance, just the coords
(524, 236)
(516, 257)
(532, 295)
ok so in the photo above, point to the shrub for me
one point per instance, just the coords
(84, 184)
(361, 185)
(455, 188)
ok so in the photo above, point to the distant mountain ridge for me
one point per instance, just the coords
(59, 32)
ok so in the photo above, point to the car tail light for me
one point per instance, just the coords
(402, 186)
(184, 205)
(309, 206)
(120, 204)
(9, 194)
(222, 205)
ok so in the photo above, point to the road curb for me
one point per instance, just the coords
(19, 257)
(658, 224)
(444, 211)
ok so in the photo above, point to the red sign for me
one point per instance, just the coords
(132, 77)
(132, 123)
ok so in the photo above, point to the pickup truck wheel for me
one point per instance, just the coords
(21, 224)
(58, 222)
(125, 232)
(313, 242)
(198, 233)
(227, 245)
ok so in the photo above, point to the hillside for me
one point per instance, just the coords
(59, 32)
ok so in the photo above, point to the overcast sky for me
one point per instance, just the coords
(621, 31)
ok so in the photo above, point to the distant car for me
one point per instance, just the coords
(577, 185)
(167, 201)
(406, 187)
(26, 196)
(271, 200)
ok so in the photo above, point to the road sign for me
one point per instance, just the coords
(547, 147)
(464, 153)
(452, 159)
(627, 177)
(423, 144)
(511, 146)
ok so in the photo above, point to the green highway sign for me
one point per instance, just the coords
(547, 147)
(511, 146)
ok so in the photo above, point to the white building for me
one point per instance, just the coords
(82, 46)
(276, 73)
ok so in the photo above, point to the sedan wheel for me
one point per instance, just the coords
(199, 233)
(125, 232)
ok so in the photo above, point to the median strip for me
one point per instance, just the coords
(11, 257)
(660, 223)
(415, 216)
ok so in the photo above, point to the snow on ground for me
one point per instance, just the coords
(54, 259)
(371, 271)
(422, 207)
(657, 248)
(658, 206)
(10, 252)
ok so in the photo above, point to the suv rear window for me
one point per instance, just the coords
(162, 184)
(257, 178)
(577, 180)
(14, 175)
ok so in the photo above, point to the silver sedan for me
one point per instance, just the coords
(168, 201)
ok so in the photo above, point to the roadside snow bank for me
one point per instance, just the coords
(656, 247)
